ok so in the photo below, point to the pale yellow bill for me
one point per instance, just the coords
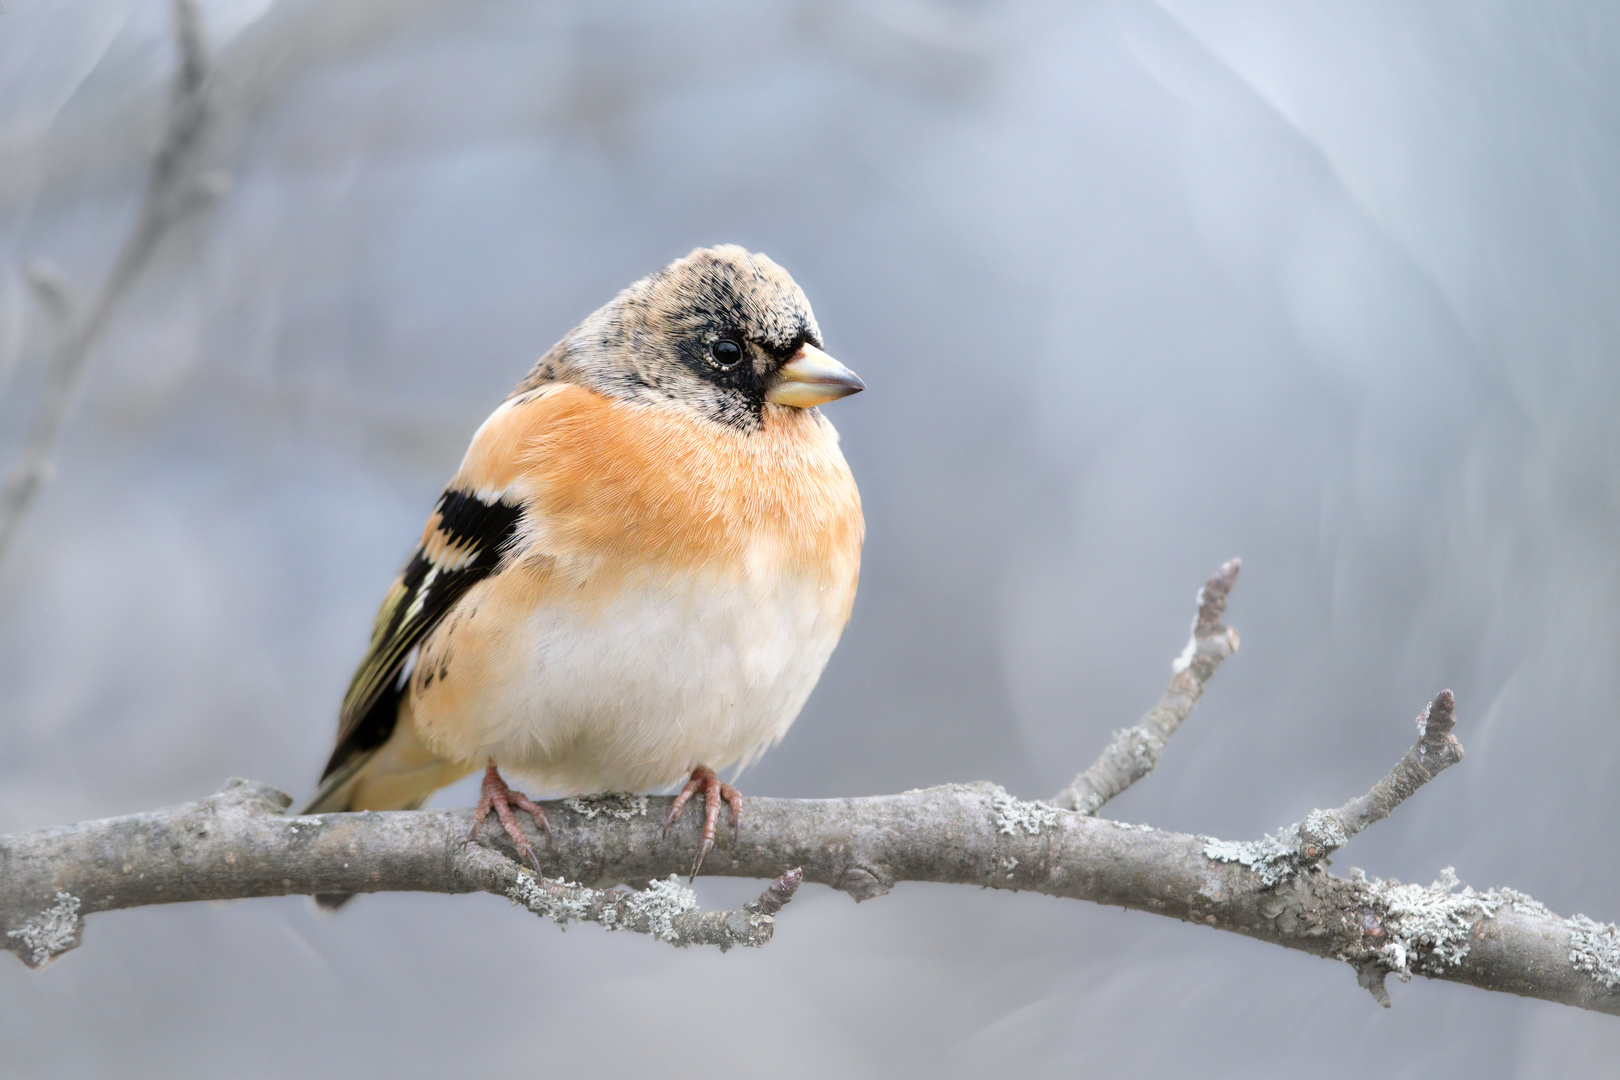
(813, 378)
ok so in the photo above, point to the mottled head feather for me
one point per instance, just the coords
(654, 342)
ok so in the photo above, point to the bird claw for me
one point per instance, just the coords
(496, 795)
(714, 791)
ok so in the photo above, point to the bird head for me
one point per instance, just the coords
(723, 333)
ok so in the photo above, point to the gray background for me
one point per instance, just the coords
(1136, 287)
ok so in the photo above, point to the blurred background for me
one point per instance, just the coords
(1136, 286)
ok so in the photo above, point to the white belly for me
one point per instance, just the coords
(672, 672)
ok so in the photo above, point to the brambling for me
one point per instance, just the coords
(639, 571)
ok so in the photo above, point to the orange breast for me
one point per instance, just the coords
(627, 484)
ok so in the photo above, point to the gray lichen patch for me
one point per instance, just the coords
(1424, 928)
(1275, 859)
(614, 805)
(1090, 803)
(50, 933)
(562, 905)
(1014, 815)
(1594, 948)
(659, 903)
(1142, 747)
(653, 910)
(1522, 903)
(1323, 829)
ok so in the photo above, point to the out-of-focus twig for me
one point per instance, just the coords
(175, 186)
(1134, 752)
(53, 291)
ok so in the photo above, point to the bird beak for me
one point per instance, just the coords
(812, 378)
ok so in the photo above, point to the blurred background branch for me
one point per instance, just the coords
(175, 186)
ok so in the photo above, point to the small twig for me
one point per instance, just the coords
(664, 909)
(1436, 749)
(1300, 846)
(172, 191)
(1134, 752)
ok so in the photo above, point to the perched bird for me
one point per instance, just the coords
(639, 571)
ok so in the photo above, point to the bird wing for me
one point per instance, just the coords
(470, 532)
(463, 544)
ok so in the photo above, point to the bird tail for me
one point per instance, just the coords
(336, 795)
(398, 775)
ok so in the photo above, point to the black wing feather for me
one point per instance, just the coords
(481, 532)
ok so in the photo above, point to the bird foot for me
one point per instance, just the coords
(704, 780)
(496, 795)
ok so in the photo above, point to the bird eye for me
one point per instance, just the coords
(726, 352)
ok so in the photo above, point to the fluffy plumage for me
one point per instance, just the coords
(641, 567)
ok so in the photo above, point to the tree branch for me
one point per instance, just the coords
(1134, 752)
(239, 843)
(174, 188)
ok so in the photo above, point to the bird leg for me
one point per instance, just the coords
(495, 795)
(704, 780)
